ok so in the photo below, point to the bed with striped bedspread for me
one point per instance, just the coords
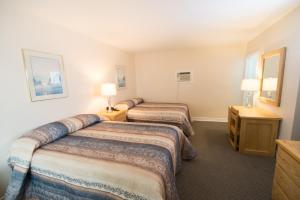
(168, 113)
(85, 158)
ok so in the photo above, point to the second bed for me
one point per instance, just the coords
(166, 113)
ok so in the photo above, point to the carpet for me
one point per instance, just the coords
(219, 172)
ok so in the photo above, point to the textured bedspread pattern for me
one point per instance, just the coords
(108, 160)
(22, 150)
(170, 113)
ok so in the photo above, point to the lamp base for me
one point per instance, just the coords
(248, 106)
(249, 102)
(109, 109)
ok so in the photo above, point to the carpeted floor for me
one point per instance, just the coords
(219, 173)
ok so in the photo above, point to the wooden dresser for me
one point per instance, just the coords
(286, 182)
(252, 130)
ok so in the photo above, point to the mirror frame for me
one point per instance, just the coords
(282, 53)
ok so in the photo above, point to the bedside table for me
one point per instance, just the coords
(114, 115)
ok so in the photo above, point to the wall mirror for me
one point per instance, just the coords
(272, 76)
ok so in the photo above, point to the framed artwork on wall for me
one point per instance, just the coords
(45, 75)
(121, 77)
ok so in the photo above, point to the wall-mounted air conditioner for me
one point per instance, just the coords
(184, 76)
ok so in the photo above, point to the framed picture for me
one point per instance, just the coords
(121, 77)
(45, 75)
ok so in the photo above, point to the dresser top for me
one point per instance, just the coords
(255, 113)
(292, 147)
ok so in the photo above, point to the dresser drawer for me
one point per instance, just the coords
(277, 193)
(290, 165)
(289, 188)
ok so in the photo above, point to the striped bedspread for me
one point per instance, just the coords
(168, 113)
(106, 160)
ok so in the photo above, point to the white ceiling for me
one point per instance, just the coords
(139, 25)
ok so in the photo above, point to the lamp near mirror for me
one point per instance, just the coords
(108, 90)
(270, 87)
(249, 86)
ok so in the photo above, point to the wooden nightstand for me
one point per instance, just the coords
(115, 115)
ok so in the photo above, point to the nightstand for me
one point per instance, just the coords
(115, 115)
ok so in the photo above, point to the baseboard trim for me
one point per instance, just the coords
(209, 119)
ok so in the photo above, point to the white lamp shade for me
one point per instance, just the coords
(108, 89)
(269, 84)
(249, 85)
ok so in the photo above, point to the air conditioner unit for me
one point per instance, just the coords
(184, 76)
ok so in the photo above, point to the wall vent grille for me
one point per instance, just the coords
(184, 76)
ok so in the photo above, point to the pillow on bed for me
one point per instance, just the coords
(22, 149)
(52, 131)
(124, 105)
(137, 100)
(80, 121)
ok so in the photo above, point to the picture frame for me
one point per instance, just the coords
(120, 77)
(45, 75)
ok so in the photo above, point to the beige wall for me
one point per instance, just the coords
(296, 121)
(87, 65)
(284, 33)
(217, 74)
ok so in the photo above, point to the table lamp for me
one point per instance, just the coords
(249, 86)
(108, 90)
(269, 85)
